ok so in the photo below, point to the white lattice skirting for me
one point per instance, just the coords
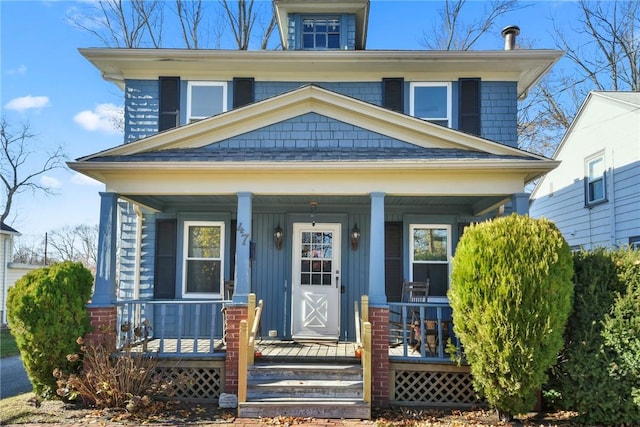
(199, 381)
(432, 385)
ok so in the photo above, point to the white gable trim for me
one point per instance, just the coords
(318, 100)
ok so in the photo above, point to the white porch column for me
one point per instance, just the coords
(242, 285)
(520, 203)
(104, 293)
(377, 296)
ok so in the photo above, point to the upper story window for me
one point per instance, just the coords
(205, 99)
(595, 187)
(203, 259)
(431, 101)
(321, 33)
(431, 257)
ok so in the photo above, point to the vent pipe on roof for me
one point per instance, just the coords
(509, 33)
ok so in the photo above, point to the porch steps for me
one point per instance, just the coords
(309, 390)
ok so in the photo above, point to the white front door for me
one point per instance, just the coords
(315, 311)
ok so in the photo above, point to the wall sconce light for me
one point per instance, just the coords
(355, 237)
(277, 237)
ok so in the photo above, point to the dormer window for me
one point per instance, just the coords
(321, 33)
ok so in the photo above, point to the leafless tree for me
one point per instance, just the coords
(190, 15)
(17, 165)
(607, 58)
(455, 31)
(243, 15)
(28, 250)
(120, 23)
(77, 243)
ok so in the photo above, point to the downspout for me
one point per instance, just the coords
(612, 203)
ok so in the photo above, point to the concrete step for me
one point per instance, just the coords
(299, 387)
(276, 371)
(307, 408)
(305, 390)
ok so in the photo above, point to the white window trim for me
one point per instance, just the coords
(412, 227)
(185, 258)
(192, 84)
(413, 85)
(587, 163)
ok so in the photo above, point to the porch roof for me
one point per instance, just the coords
(318, 154)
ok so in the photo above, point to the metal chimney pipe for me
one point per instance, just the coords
(509, 33)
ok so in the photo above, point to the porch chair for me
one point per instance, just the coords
(416, 292)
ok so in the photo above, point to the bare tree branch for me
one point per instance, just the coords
(453, 32)
(16, 152)
(607, 58)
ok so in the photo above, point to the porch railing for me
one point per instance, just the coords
(178, 328)
(422, 331)
(246, 350)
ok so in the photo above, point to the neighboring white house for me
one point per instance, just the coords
(594, 195)
(9, 272)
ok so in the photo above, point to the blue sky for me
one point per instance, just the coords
(45, 81)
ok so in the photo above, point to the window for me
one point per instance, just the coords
(432, 102)
(431, 257)
(634, 242)
(321, 33)
(595, 180)
(203, 259)
(205, 99)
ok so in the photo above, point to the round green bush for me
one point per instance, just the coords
(46, 314)
(511, 295)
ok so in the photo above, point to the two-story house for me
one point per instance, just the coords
(594, 195)
(309, 176)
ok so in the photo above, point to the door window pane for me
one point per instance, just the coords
(316, 258)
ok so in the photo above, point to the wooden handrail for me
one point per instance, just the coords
(242, 363)
(251, 347)
(366, 362)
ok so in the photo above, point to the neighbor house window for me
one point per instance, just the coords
(432, 102)
(634, 242)
(595, 187)
(203, 259)
(205, 99)
(431, 257)
(321, 33)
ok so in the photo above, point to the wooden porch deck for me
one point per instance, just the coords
(267, 349)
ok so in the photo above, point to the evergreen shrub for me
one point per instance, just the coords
(598, 373)
(46, 313)
(511, 295)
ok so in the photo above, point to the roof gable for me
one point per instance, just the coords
(391, 127)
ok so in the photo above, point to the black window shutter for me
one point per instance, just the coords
(164, 284)
(169, 116)
(393, 94)
(469, 112)
(243, 91)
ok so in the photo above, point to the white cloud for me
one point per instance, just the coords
(105, 118)
(80, 179)
(21, 70)
(50, 182)
(27, 102)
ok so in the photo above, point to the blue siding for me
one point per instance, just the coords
(499, 112)
(370, 92)
(310, 130)
(141, 106)
(127, 252)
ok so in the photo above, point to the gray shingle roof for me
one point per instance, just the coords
(274, 154)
